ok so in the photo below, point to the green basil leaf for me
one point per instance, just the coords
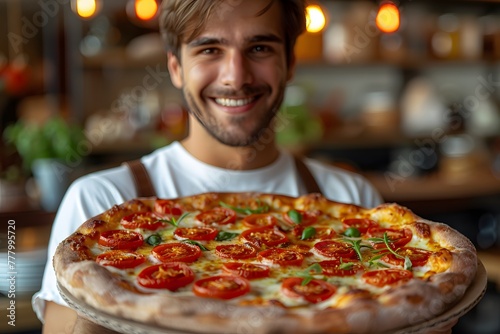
(352, 232)
(346, 266)
(223, 236)
(408, 264)
(175, 222)
(380, 265)
(356, 245)
(172, 221)
(308, 232)
(154, 239)
(377, 257)
(376, 240)
(306, 274)
(295, 216)
(196, 243)
(262, 208)
(316, 268)
(306, 280)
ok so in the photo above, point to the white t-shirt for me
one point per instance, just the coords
(175, 173)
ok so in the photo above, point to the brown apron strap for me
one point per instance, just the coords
(307, 177)
(145, 187)
(141, 178)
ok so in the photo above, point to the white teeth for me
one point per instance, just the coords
(233, 102)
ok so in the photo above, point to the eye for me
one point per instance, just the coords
(210, 51)
(261, 49)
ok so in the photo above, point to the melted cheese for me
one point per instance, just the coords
(265, 289)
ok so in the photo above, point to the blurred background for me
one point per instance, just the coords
(406, 93)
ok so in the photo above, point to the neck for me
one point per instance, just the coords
(209, 150)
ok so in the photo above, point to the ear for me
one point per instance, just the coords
(175, 70)
(291, 68)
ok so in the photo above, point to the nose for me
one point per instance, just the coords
(236, 70)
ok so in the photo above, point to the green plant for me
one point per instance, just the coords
(55, 138)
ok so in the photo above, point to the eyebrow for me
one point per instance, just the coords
(254, 39)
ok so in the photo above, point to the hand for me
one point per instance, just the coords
(85, 326)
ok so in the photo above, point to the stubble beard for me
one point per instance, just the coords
(234, 138)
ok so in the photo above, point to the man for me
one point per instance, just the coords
(232, 59)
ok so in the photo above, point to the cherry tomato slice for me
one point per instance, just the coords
(120, 239)
(335, 250)
(217, 216)
(361, 224)
(397, 238)
(246, 270)
(302, 249)
(221, 287)
(384, 277)
(195, 233)
(176, 252)
(417, 256)
(268, 236)
(145, 220)
(340, 269)
(325, 233)
(171, 276)
(235, 251)
(304, 218)
(168, 207)
(314, 292)
(281, 256)
(260, 220)
(120, 259)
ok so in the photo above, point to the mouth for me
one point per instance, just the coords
(233, 102)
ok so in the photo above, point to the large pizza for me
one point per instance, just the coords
(265, 263)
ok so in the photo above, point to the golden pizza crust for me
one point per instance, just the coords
(405, 304)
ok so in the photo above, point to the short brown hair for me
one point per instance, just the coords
(178, 17)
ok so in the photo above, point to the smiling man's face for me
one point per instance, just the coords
(233, 74)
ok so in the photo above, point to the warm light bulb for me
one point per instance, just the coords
(145, 9)
(387, 19)
(315, 18)
(86, 8)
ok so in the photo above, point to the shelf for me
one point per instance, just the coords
(123, 146)
(407, 62)
(141, 143)
(119, 58)
(348, 136)
(435, 187)
(357, 134)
